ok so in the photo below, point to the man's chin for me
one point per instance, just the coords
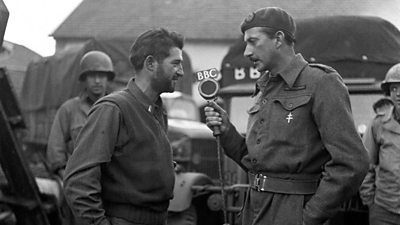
(98, 93)
(261, 69)
(172, 89)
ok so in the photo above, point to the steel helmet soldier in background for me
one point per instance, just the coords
(392, 76)
(380, 189)
(96, 69)
(96, 61)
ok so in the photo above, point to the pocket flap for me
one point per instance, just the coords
(291, 103)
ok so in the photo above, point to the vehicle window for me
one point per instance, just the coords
(361, 105)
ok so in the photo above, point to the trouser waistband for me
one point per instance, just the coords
(135, 214)
(260, 182)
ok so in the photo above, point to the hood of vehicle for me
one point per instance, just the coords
(192, 129)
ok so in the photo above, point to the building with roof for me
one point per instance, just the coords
(210, 26)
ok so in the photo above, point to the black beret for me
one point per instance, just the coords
(272, 17)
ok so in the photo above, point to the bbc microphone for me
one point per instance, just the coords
(208, 88)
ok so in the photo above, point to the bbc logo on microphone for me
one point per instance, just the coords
(206, 74)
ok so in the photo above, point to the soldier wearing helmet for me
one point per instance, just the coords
(380, 189)
(96, 70)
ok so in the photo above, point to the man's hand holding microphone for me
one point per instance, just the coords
(216, 117)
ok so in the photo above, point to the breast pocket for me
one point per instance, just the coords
(292, 103)
(291, 116)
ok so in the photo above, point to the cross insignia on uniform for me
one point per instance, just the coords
(289, 117)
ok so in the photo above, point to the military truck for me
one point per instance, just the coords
(360, 48)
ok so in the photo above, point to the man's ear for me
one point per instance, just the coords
(150, 63)
(279, 38)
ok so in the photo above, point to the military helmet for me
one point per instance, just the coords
(96, 61)
(392, 76)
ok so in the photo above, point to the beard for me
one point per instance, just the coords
(162, 83)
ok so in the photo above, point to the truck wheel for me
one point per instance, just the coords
(186, 217)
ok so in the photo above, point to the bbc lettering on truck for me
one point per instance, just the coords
(240, 75)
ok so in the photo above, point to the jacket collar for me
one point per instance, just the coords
(392, 125)
(293, 70)
(85, 103)
(142, 98)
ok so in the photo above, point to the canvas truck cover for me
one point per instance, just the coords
(356, 46)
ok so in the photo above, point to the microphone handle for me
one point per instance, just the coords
(216, 129)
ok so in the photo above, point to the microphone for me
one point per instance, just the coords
(208, 89)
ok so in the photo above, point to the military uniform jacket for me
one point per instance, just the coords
(382, 183)
(301, 125)
(67, 124)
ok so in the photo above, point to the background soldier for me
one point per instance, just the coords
(96, 71)
(381, 187)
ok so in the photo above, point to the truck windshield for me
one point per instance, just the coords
(179, 106)
(361, 105)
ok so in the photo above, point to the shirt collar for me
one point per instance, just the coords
(293, 70)
(142, 98)
(85, 103)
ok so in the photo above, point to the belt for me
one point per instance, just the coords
(260, 182)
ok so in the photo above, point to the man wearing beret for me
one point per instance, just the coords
(302, 152)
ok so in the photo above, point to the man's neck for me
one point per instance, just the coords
(91, 98)
(145, 86)
(284, 60)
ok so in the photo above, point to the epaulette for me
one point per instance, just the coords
(325, 68)
(384, 108)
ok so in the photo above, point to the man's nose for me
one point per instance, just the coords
(248, 51)
(97, 78)
(180, 71)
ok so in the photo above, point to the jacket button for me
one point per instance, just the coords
(264, 101)
(290, 105)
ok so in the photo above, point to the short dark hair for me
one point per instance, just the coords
(270, 32)
(155, 42)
